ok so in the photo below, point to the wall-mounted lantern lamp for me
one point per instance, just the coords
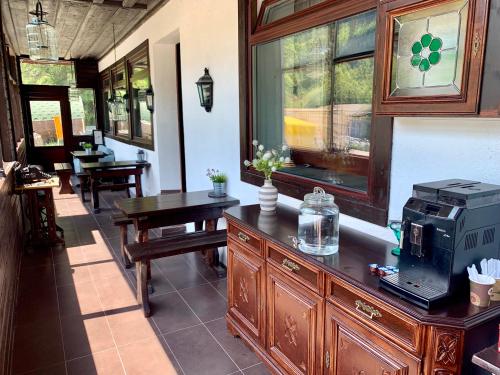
(206, 90)
(150, 95)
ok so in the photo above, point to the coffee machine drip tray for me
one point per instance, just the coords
(408, 287)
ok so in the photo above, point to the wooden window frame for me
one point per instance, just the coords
(139, 52)
(464, 103)
(372, 205)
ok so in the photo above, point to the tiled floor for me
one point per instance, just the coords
(77, 312)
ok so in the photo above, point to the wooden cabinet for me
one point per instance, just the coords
(308, 315)
(430, 57)
(246, 291)
(351, 348)
(295, 324)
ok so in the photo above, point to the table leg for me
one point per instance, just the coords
(198, 226)
(138, 186)
(66, 188)
(212, 255)
(142, 287)
(123, 243)
(94, 183)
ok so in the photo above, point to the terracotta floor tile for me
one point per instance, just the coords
(68, 256)
(85, 335)
(115, 293)
(171, 313)
(80, 299)
(130, 326)
(37, 345)
(71, 274)
(234, 346)
(198, 352)
(146, 357)
(103, 363)
(96, 253)
(104, 269)
(59, 369)
(205, 301)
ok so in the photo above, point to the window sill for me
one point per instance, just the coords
(147, 146)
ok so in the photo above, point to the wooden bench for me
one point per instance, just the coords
(64, 171)
(123, 222)
(143, 252)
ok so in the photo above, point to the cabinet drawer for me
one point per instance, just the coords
(304, 273)
(396, 326)
(245, 237)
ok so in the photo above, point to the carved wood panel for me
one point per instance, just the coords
(444, 351)
(295, 328)
(246, 290)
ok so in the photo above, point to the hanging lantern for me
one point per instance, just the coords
(118, 107)
(42, 38)
(206, 91)
(150, 99)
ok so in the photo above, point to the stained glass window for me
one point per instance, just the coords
(428, 51)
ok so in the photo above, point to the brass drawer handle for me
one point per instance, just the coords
(367, 310)
(289, 265)
(243, 237)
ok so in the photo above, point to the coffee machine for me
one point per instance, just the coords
(447, 226)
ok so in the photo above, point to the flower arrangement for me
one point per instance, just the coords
(268, 161)
(216, 176)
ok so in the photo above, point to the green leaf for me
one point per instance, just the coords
(424, 65)
(415, 60)
(436, 44)
(416, 48)
(426, 40)
(434, 58)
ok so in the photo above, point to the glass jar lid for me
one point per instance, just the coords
(318, 197)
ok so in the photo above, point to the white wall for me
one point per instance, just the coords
(423, 149)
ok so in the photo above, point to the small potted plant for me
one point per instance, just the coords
(219, 180)
(87, 147)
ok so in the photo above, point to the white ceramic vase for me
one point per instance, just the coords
(88, 151)
(268, 196)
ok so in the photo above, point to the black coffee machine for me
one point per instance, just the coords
(447, 226)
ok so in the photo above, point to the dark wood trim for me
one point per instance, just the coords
(123, 63)
(371, 205)
(180, 115)
(467, 102)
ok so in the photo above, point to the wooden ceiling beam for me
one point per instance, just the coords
(115, 3)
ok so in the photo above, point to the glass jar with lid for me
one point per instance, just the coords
(318, 224)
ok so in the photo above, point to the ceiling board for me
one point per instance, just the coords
(84, 27)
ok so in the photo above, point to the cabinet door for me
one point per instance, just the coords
(430, 56)
(246, 291)
(351, 348)
(295, 324)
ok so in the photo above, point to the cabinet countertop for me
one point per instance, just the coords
(356, 251)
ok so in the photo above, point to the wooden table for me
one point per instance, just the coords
(85, 157)
(41, 212)
(179, 208)
(488, 359)
(113, 169)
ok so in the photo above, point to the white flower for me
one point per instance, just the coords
(273, 169)
(274, 152)
(271, 163)
(284, 147)
(247, 163)
(267, 156)
(261, 147)
(259, 154)
(282, 159)
(255, 161)
(255, 142)
(288, 160)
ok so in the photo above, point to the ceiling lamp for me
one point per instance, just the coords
(42, 38)
(74, 92)
(118, 104)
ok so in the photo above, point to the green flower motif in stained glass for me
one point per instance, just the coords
(426, 52)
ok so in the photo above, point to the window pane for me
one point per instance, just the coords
(83, 114)
(356, 34)
(50, 74)
(47, 123)
(322, 110)
(284, 8)
(429, 50)
(120, 115)
(142, 117)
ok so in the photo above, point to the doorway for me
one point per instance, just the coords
(180, 116)
(48, 125)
